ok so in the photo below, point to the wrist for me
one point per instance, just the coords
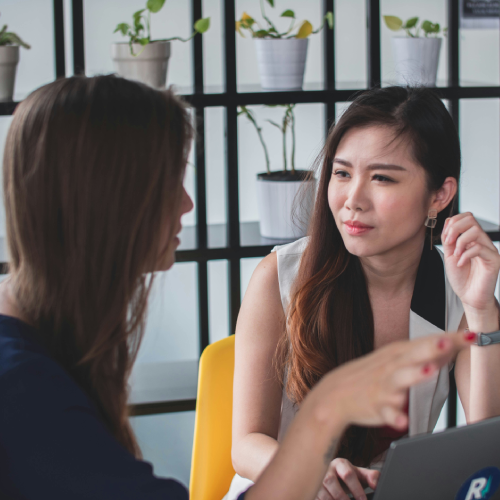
(484, 320)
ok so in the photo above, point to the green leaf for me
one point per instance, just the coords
(123, 28)
(261, 33)
(393, 23)
(155, 5)
(137, 15)
(288, 13)
(305, 30)
(143, 41)
(202, 25)
(429, 27)
(411, 23)
(329, 19)
(271, 2)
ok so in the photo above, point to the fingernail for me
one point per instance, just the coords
(442, 343)
(426, 369)
(470, 336)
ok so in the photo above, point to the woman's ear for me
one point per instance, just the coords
(442, 197)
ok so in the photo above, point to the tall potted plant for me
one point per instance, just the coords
(281, 55)
(144, 59)
(285, 198)
(9, 58)
(416, 55)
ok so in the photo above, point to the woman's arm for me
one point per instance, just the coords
(257, 390)
(369, 391)
(477, 370)
(472, 265)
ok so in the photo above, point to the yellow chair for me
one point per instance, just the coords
(211, 466)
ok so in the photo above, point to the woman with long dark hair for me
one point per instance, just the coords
(93, 171)
(368, 275)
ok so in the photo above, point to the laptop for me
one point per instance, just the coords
(457, 464)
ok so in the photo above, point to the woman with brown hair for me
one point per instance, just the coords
(368, 275)
(93, 171)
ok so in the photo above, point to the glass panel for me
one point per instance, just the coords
(167, 364)
(33, 21)
(247, 267)
(479, 51)
(101, 18)
(247, 69)
(432, 10)
(5, 122)
(215, 165)
(167, 442)
(172, 319)
(350, 44)
(218, 299)
(309, 119)
(479, 134)
(213, 47)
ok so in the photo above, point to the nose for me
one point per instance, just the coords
(357, 199)
(187, 203)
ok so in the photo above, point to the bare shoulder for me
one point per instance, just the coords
(261, 310)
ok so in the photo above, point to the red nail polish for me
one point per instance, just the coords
(470, 336)
(426, 369)
(441, 344)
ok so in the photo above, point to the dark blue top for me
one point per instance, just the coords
(53, 444)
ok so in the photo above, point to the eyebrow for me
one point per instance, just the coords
(373, 166)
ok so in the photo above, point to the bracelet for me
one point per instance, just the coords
(484, 339)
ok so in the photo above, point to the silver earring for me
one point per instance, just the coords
(431, 220)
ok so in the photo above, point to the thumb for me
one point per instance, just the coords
(368, 477)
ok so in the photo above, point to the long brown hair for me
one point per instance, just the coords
(93, 171)
(330, 319)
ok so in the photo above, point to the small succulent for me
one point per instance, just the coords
(140, 29)
(303, 30)
(9, 38)
(412, 27)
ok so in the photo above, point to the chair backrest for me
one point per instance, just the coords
(211, 465)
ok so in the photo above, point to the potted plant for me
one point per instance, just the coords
(144, 59)
(280, 214)
(416, 57)
(281, 55)
(9, 57)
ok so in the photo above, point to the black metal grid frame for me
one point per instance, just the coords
(230, 99)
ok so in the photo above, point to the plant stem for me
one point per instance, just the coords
(265, 17)
(292, 116)
(148, 23)
(284, 127)
(259, 133)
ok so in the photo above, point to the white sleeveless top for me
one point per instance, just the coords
(434, 308)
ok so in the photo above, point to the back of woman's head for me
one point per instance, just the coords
(330, 320)
(93, 171)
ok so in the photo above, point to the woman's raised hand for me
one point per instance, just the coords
(472, 261)
(368, 391)
(372, 390)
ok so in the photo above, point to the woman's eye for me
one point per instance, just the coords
(341, 172)
(381, 178)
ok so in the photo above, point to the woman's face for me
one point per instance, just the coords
(377, 183)
(168, 256)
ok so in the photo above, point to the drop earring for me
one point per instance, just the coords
(431, 220)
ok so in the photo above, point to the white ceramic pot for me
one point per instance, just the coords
(416, 60)
(280, 217)
(281, 62)
(149, 67)
(9, 57)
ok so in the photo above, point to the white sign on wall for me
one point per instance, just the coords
(480, 14)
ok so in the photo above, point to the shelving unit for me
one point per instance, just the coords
(235, 240)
